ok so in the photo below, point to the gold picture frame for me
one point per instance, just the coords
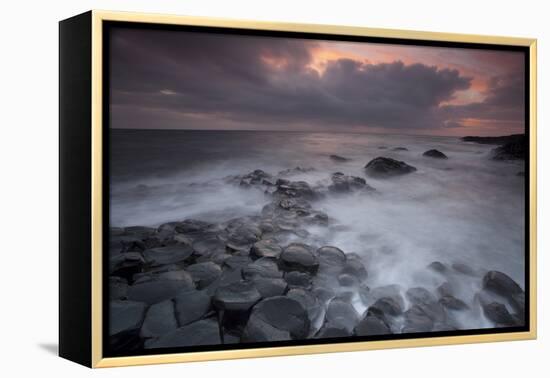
(96, 18)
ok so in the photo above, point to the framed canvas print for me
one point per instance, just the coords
(235, 189)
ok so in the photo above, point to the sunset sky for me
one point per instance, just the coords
(185, 80)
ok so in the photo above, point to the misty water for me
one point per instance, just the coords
(467, 209)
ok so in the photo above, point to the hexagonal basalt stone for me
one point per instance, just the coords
(237, 296)
(300, 257)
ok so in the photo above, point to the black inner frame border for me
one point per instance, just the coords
(107, 26)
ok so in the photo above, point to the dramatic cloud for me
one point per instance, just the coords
(162, 79)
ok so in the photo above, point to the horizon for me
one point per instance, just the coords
(186, 80)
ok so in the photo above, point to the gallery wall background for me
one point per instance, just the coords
(29, 185)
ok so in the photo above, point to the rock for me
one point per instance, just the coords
(263, 267)
(300, 257)
(341, 314)
(355, 267)
(464, 269)
(515, 150)
(295, 170)
(338, 158)
(177, 275)
(429, 304)
(501, 284)
(243, 237)
(125, 316)
(208, 246)
(168, 255)
(191, 306)
(202, 332)
(332, 331)
(270, 287)
(331, 257)
(388, 291)
(266, 248)
(372, 325)
(323, 293)
(257, 177)
(126, 264)
(400, 149)
(342, 183)
(294, 189)
(498, 314)
(118, 288)
(236, 262)
(281, 315)
(192, 227)
(517, 302)
(155, 291)
(238, 296)
(386, 167)
(416, 320)
(296, 279)
(389, 306)
(204, 273)
(438, 267)
(453, 303)
(313, 306)
(435, 154)
(347, 280)
(445, 289)
(258, 330)
(159, 319)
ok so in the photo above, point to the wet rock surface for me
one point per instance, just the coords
(436, 154)
(387, 167)
(269, 277)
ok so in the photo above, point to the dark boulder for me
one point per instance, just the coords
(342, 183)
(204, 273)
(296, 279)
(125, 316)
(331, 257)
(300, 257)
(155, 291)
(386, 167)
(328, 331)
(314, 307)
(294, 189)
(277, 317)
(126, 264)
(118, 288)
(191, 306)
(264, 267)
(159, 319)
(435, 154)
(452, 303)
(372, 325)
(168, 255)
(387, 291)
(202, 332)
(238, 296)
(342, 314)
(400, 149)
(389, 306)
(438, 267)
(257, 177)
(515, 150)
(270, 287)
(429, 304)
(499, 314)
(416, 320)
(464, 269)
(354, 266)
(501, 284)
(266, 248)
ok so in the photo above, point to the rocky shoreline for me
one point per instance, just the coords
(253, 279)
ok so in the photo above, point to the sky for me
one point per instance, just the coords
(163, 79)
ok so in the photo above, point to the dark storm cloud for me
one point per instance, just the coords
(194, 80)
(504, 102)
